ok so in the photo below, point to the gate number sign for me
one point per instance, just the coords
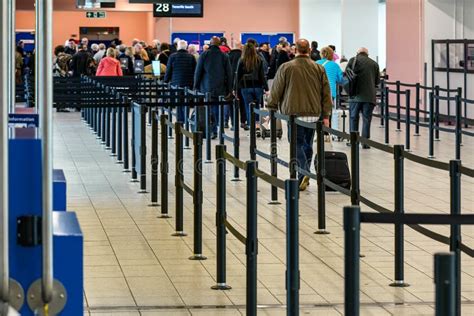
(178, 8)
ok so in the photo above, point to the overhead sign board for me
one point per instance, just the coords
(95, 14)
(178, 8)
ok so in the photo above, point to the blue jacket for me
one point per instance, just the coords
(334, 73)
(213, 73)
(180, 69)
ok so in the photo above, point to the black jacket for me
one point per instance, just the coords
(273, 64)
(180, 69)
(234, 57)
(283, 57)
(164, 57)
(315, 55)
(129, 69)
(213, 73)
(368, 78)
(254, 78)
(81, 63)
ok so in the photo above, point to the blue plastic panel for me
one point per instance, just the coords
(195, 38)
(271, 38)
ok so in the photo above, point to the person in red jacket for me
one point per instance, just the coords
(109, 66)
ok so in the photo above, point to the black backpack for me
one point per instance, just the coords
(351, 82)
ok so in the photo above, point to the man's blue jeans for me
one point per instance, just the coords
(366, 108)
(252, 95)
(304, 148)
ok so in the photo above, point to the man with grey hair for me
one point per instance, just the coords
(180, 71)
(100, 54)
(364, 99)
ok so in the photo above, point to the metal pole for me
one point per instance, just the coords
(221, 216)
(11, 53)
(351, 260)
(455, 238)
(253, 133)
(4, 108)
(444, 278)
(208, 128)
(399, 210)
(293, 160)
(437, 114)
(382, 102)
(458, 129)
(126, 161)
(197, 197)
(448, 82)
(120, 136)
(407, 120)
(387, 117)
(142, 148)
(45, 100)
(133, 143)
(398, 108)
(320, 168)
(179, 179)
(154, 159)
(431, 128)
(465, 82)
(236, 139)
(251, 248)
(114, 132)
(417, 109)
(164, 166)
(292, 247)
(221, 121)
(355, 190)
(273, 156)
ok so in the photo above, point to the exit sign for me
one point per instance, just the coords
(95, 15)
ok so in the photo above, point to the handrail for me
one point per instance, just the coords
(44, 95)
(4, 102)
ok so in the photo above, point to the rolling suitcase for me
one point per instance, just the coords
(337, 169)
(265, 128)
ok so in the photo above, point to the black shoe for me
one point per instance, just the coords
(246, 127)
(364, 146)
(348, 144)
(214, 136)
(226, 125)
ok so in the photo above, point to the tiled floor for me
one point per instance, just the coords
(133, 266)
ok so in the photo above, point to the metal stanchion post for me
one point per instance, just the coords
(164, 166)
(103, 135)
(455, 238)
(355, 189)
(399, 209)
(458, 129)
(154, 159)
(221, 121)
(126, 165)
(253, 133)
(399, 129)
(179, 179)
(114, 133)
(351, 260)
(120, 135)
(417, 109)
(107, 128)
(431, 128)
(292, 247)
(236, 139)
(133, 141)
(387, 116)
(142, 149)
(208, 129)
(273, 157)
(444, 279)
(293, 160)
(197, 197)
(221, 216)
(382, 103)
(407, 120)
(320, 172)
(251, 248)
(186, 119)
(437, 114)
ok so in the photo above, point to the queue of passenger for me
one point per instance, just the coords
(297, 79)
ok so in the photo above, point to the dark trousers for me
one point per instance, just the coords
(252, 95)
(355, 109)
(304, 148)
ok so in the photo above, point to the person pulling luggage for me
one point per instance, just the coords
(301, 88)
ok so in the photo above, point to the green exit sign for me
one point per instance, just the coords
(95, 15)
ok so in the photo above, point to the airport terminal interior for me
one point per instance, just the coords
(237, 157)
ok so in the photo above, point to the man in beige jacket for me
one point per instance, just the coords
(301, 88)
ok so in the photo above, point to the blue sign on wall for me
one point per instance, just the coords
(23, 120)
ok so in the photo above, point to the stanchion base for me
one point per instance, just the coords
(398, 130)
(322, 232)
(153, 205)
(170, 137)
(431, 157)
(113, 155)
(221, 286)
(408, 150)
(164, 216)
(361, 255)
(127, 171)
(381, 126)
(148, 125)
(108, 148)
(437, 140)
(399, 284)
(103, 143)
(179, 234)
(416, 135)
(187, 148)
(197, 257)
(134, 181)
(119, 162)
(274, 203)
(208, 161)
(142, 192)
(236, 180)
